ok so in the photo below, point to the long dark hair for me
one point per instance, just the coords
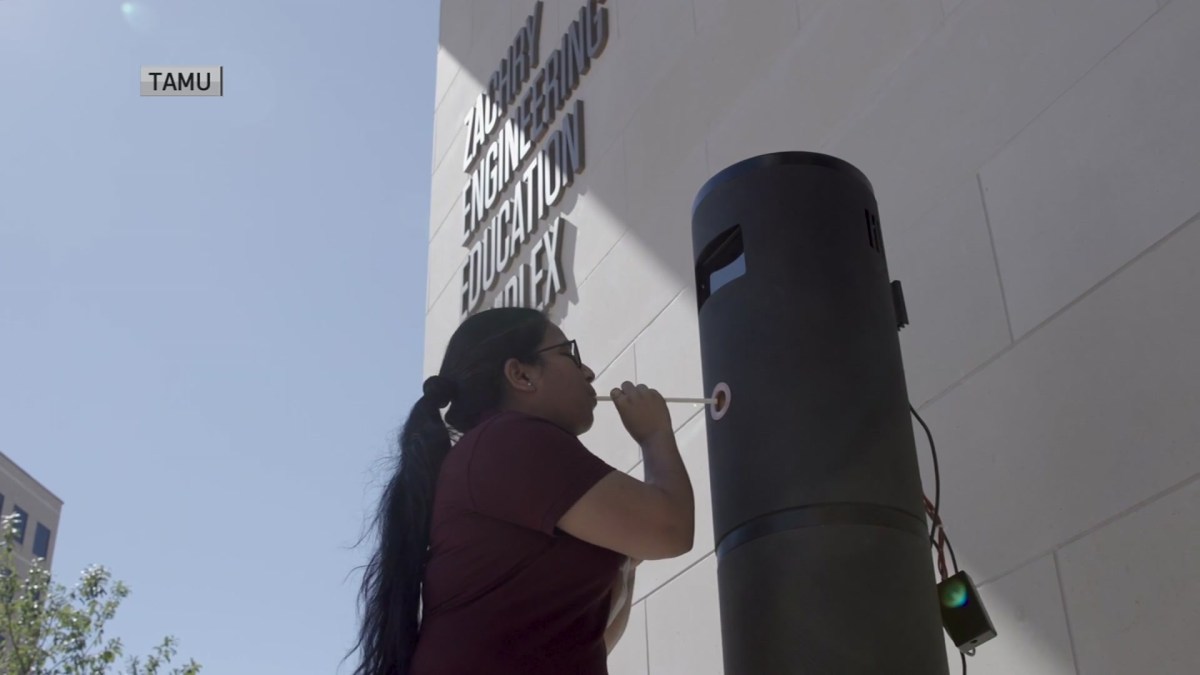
(471, 380)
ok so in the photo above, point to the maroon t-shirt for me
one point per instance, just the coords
(505, 592)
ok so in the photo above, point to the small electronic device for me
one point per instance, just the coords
(963, 614)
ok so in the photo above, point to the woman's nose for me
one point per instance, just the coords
(588, 374)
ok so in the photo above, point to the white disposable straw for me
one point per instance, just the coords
(705, 401)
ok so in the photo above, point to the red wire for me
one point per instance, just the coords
(940, 538)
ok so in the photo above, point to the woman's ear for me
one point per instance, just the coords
(519, 375)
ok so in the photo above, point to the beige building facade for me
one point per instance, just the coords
(1036, 165)
(39, 510)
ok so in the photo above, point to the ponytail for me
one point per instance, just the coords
(471, 383)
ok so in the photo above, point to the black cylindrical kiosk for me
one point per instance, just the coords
(822, 543)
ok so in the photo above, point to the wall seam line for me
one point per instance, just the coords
(1062, 593)
(646, 630)
(987, 221)
(678, 574)
(1067, 89)
(1120, 515)
(1063, 310)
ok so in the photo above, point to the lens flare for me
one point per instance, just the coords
(138, 15)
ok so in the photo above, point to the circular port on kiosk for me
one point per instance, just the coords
(723, 397)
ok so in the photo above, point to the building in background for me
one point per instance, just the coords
(39, 510)
(1035, 167)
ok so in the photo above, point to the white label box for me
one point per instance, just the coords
(183, 81)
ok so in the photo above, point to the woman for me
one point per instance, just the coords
(509, 549)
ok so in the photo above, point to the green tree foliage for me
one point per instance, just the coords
(46, 629)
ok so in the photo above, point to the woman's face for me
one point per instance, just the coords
(558, 388)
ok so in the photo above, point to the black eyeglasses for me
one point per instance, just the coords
(574, 355)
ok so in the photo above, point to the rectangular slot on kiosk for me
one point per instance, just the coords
(722, 261)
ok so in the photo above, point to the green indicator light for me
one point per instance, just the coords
(954, 594)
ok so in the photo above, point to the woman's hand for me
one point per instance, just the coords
(643, 411)
(622, 591)
(622, 602)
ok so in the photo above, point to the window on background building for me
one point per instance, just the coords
(22, 518)
(41, 541)
(1, 502)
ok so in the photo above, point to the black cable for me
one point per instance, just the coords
(937, 481)
(937, 504)
(953, 559)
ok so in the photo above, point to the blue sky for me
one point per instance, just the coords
(212, 309)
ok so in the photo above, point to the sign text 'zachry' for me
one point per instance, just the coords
(504, 128)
